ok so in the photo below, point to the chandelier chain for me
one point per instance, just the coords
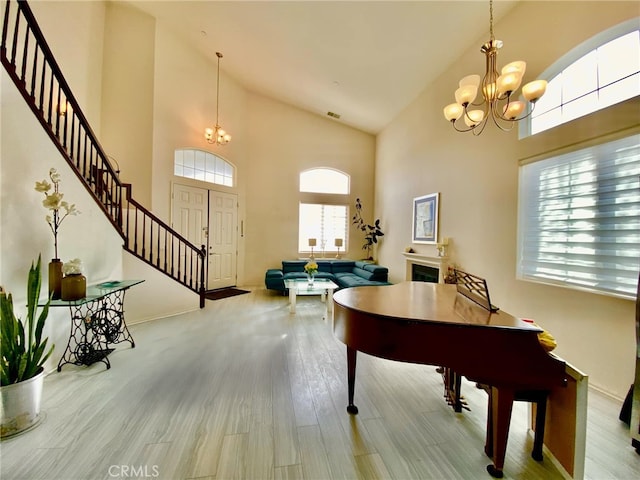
(216, 134)
(491, 37)
(219, 55)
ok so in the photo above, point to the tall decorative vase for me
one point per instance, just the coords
(55, 278)
(74, 287)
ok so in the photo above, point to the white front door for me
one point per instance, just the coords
(223, 240)
(209, 218)
(189, 213)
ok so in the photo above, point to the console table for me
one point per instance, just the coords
(97, 322)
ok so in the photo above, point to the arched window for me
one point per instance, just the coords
(597, 74)
(204, 166)
(324, 198)
(324, 180)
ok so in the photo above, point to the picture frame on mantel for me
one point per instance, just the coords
(425, 219)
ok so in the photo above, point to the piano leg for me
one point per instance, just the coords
(500, 404)
(457, 381)
(538, 439)
(488, 443)
(351, 378)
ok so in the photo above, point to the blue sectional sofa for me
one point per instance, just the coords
(344, 273)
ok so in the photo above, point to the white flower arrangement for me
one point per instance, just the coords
(72, 267)
(53, 202)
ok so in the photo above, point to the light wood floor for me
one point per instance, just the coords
(243, 389)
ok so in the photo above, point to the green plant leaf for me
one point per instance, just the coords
(7, 317)
(48, 354)
(22, 366)
(21, 344)
(33, 293)
(44, 313)
(20, 338)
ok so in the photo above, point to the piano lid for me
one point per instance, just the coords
(428, 302)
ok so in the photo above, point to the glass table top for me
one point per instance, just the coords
(301, 286)
(95, 292)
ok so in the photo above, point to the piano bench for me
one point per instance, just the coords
(539, 397)
(451, 380)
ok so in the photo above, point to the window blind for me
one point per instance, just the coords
(325, 223)
(579, 218)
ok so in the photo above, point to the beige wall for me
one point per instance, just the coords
(77, 47)
(283, 142)
(184, 105)
(127, 94)
(477, 177)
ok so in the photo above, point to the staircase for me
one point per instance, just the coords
(29, 62)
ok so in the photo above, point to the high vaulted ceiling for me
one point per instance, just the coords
(364, 60)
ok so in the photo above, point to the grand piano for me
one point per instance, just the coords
(434, 324)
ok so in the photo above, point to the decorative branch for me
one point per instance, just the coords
(372, 232)
(53, 202)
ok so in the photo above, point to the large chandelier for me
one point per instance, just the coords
(216, 134)
(498, 100)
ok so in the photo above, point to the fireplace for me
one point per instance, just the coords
(423, 268)
(424, 273)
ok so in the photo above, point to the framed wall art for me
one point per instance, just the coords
(425, 218)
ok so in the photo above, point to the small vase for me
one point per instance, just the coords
(74, 287)
(310, 278)
(55, 278)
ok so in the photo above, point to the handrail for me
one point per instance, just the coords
(160, 246)
(50, 100)
(28, 60)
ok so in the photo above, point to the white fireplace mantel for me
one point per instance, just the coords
(441, 263)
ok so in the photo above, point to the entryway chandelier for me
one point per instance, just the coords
(498, 101)
(216, 134)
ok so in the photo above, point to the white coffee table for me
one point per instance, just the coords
(321, 286)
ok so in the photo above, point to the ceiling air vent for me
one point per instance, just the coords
(333, 115)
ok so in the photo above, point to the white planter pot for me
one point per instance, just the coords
(20, 406)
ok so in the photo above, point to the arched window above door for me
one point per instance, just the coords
(203, 166)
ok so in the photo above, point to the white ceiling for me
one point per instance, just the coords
(365, 60)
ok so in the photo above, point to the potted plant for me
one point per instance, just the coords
(372, 232)
(24, 353)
